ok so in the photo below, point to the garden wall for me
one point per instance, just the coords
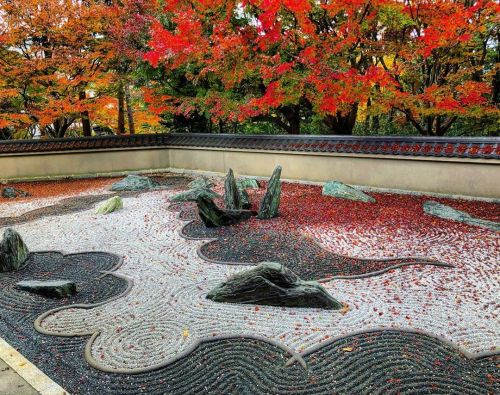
(459, 166)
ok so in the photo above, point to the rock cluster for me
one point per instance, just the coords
(343, 191)
(269, 206)
(52, 288)
(110, 205)
(13, 251)
(446, 212)
(273, 284)
(135, 183)
(213, 216)
(11, 192)
(248, 183)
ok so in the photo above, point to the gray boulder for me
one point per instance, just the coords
(192, 195)
(343, 191)
(273, 284)
(247, 183)
(13, 251)
(443, 211)
(212, 216)
(135, 183)
(52, 289)
(10, 193)
(269, 206)
(201, 183)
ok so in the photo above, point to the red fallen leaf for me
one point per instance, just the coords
(256, 308)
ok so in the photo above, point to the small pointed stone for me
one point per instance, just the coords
(110, 205)
(269, 206)
(273, 284)
(13, 251)
(212, 216)
(231, 192)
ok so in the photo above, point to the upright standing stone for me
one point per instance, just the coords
(13, 251)
(269, 206)
(231, 192)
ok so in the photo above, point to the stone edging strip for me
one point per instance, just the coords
(29, 372)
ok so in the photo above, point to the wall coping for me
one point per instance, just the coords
(394, 146)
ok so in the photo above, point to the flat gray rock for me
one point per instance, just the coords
(135, 183)
(52, 289)
(13, 251)
(273, 284)
(446, 212)
(343, 191)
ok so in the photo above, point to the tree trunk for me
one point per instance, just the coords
(87, 128)
(130, 110)
(340, 123)
(292, 116)
(121, 105)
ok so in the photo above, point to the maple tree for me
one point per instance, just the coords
(282, 60)
(53, 54)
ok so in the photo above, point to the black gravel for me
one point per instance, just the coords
(247, 244)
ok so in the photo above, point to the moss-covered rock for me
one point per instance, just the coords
(248, 183)
(192, 195)
(273, 284)
(110, 205)
(231, 192)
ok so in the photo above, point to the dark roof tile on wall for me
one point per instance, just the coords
(446, 147)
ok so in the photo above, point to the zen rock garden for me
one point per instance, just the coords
(168, 283)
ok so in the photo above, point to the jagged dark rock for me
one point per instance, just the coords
(343, 191)
(446, 212)
(52, 289)
(13, 251)
(212, 216)
(269, 206)
(231, 192)
(272, 284)
(10, 193)
(135, 183)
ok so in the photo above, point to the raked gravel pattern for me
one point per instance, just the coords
(166, 314)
